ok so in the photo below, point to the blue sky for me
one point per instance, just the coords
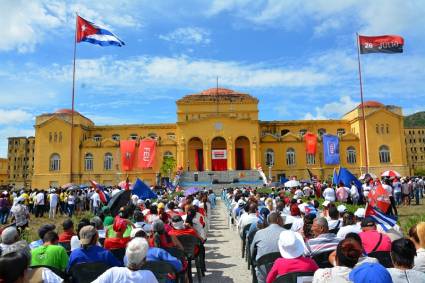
(298, 57)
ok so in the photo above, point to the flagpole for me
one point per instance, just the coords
(73, 98)
(362, 104)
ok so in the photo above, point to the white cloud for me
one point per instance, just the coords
(334, 109)
(183, 72)
(27, 23)
(188, 35)
(17, 116)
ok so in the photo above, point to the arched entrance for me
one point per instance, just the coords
(218, 154)
(196, 154)
(242, 154)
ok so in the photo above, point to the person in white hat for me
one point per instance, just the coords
(291, 247)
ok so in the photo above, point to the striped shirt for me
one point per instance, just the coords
(322, 243)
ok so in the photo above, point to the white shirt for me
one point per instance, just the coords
(53, 199)
(298, 194)
(95, 199)
(246, 219)
(123, 274)
(388, 188)
(354, 192)
(332, 223)
(329, 194)
(39, 199)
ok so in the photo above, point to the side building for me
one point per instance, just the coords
(415, 149)
(20, 158)
(4, 177)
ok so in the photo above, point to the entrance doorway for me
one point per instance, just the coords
(242, 154)
(218, 154)
(196, 154)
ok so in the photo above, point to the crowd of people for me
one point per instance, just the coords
(309, 231)
(143, 231)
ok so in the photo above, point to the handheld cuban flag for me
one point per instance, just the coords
(104, 198)
(381, 44)
(386, 221)
(89, 32)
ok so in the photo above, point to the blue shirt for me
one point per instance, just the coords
(36, 244)
(158, 254)
(92, 254)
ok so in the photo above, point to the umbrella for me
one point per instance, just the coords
(368, 175)
(66, 186)
(191, 191)
(122, 198)
(391, 173)
(306, 181)
(292, 183)
(73, 188)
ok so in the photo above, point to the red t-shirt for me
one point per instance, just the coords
(116, 243)
(371, 238)
(283, 266)
(66, 236)
(164, 243)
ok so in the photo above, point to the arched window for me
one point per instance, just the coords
(382, 128)
(88, 162)
(321, 132)
(269, 157)
(388, 129)
(107, 162)
(97, 138)
(384, 154)
(116, 137)
(377, 128)
(340, 132)
(311, 158)
(153, 135)
(284, 132)
(55, 162)
(351, 155)
(133, 136)
(302, 132)
(168, 154)
(290, 156)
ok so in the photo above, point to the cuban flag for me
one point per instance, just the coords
(89, 32)
(386, 221)
(104, 197)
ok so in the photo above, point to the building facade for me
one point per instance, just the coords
(20, 158)
(4, 177)
(415, 149)
(217, 129)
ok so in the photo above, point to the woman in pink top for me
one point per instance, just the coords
(291, 247)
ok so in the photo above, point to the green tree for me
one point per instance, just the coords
(168, 165)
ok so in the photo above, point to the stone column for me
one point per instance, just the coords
(181, 156)
(254, 153)
(230, 154)
(207, 154)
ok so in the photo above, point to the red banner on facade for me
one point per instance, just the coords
(146, 156)
(310, 143)
(128, 153)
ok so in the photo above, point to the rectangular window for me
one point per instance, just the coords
(311, 159)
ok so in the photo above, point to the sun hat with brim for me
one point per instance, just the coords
(86, 234)
(370, 273)
(291, 244)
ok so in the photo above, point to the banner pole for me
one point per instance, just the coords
(73, 98)
(362, 105)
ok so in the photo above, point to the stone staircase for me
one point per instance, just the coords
(220, 179)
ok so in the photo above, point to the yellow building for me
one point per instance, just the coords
(415, 149)
(4, 178)
(217, 129)
(20, 157)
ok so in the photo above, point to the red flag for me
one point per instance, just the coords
(310, 143)
(380, 198)
(381, 44)
(84, 28)
(128, 148)
(146, 155)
